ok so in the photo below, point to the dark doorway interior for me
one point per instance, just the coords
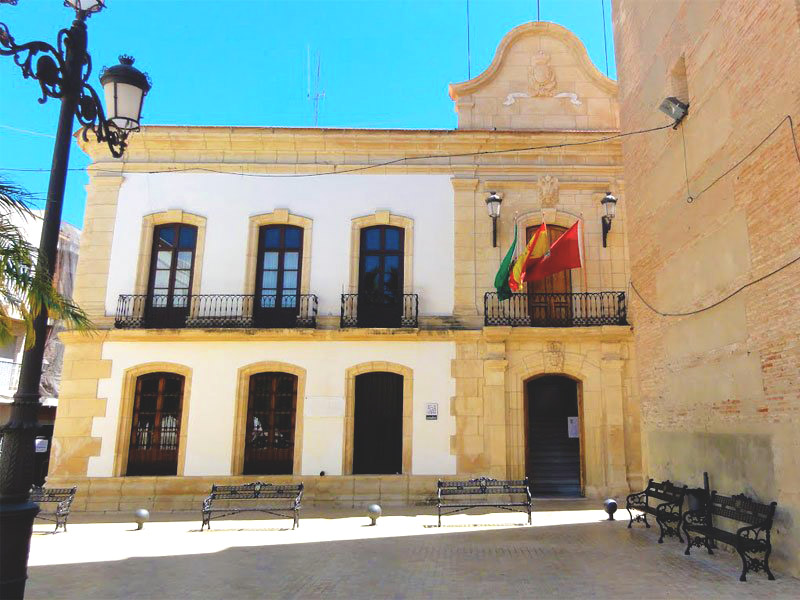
(553, 460)
(378, 424)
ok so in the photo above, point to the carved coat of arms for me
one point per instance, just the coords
(548, 191)
(542, 78)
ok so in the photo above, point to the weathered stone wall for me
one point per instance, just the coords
(720, 390)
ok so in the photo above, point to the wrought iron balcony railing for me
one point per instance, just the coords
(212, 311)
(368, 310)
(578, 309)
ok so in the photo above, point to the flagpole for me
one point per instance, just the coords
(583, 248)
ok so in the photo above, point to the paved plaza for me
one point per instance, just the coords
(569, 552)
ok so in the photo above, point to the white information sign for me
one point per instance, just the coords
(431, 411)
(41, 444)
(573, 430)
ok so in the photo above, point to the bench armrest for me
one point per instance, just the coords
(207, 503)
(669, 507)
(754, 532)
(695, 517)
(637, 498)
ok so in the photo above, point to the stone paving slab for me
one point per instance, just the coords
(572, 553)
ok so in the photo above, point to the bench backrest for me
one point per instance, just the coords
(666, 491)
(40, 494)
(484, 485)
(255, 490)
(741, 508)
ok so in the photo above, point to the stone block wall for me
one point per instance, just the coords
(720, 389)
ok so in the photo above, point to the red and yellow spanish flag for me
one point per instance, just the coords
(537, 247)
(565, 253)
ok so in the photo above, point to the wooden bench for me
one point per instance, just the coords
(61, 497)
(752, 539)
(666, 506)
(483, 492)
(277, 500)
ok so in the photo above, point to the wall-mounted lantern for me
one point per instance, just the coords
(609, 203)
(493, 203)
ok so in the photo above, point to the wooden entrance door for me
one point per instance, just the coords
(155, 425)
(277, 300)
(269, 434)
(553, 461)
(380, 277)
(378, 424)
(171, 266)
(550, 299)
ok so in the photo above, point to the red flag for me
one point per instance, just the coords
(565, 253)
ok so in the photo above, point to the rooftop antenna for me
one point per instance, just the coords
(314, 94)
(469, 59)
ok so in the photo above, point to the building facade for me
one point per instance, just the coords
(30, 227)
(281, 304)
(720, 389)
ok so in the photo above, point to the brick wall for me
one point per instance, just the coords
(720, 390)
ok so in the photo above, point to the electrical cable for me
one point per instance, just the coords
(718, 302)
(376, 165)
(705, 189)
(748, 155)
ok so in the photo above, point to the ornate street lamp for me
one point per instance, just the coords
(609, 204)
(493, 202)
(62, 73)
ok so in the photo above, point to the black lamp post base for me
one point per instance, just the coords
(16, 527)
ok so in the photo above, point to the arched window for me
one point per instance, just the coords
(155, 426)
(170, 280)
(380, 279)
(270, 425)
(280, 254)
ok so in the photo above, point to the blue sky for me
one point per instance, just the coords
(384, 63)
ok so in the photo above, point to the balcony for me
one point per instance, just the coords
(367, 310)
(215, 311)
(9, 377)
(578, 309)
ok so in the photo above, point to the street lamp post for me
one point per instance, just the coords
(63, 73)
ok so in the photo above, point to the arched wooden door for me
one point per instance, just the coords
(269, 431)
(171, 268)
(553, 455)
(380, 276)
(550, 299)
(155, 425)
(378, 424)
(277, 299)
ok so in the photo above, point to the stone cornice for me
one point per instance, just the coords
(215, 145)
(608, 333)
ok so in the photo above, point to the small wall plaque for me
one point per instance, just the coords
(431, 411)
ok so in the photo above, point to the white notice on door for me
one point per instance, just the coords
(572, 427)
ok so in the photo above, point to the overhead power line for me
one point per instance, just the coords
(387, 163)
(786, 119)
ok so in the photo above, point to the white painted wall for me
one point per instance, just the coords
(213, 393)
(228, 201)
